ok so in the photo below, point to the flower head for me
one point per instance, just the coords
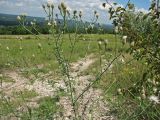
(106, 41)
(49, 3)
(39, 45)
(18, 18)
(80, 14)
(119, 91)
(64, 7)
(97, 15)
(7, 48)
(33, 56)
(49, 24)
(43, 6)
(95, 12)
(75, 12)
(116, 29)
(124, 37)
(154, 99)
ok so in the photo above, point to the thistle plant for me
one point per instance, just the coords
(57, 29)
(139, 30)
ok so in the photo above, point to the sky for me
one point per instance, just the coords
(34, 7)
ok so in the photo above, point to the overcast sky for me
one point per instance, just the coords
(33, 7)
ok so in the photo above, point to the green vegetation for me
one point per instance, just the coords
(65, 70)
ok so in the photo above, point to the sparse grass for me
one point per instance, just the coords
(121, 75)
(46, 110)
(31, 55)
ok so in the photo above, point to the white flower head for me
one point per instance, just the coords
(154, 99)
(33, 56)
(32, 23)
(49, 24)
(154, 89)
(106, 41)
(7, 48)
(49, 3)
(116, 29)
(97, 15)
(119, 91)
(55, 23)
(124, 37)
(39, 45)
(18, 18)
(122, 60)
(100, 43)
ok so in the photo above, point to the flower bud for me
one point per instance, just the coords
(59, 7)
(43, 6)
(20, 48)
(97, 15)
(75, 12)
(63, 5)
(52, 6)
(95, 12)
(80, 14)
(104, 5)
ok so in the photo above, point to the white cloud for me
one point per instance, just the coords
(141, 10)
(33, 7)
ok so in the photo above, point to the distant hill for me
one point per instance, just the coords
(11, 20)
